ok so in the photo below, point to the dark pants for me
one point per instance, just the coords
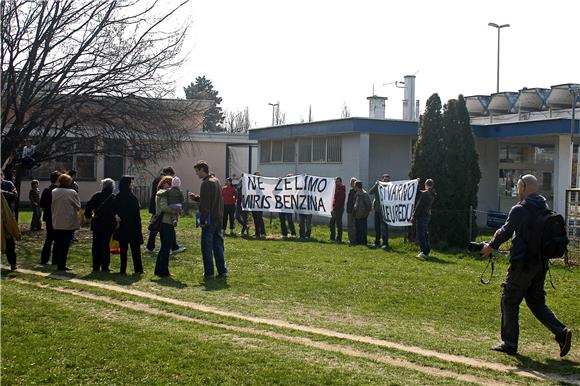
(62, 240)
(35, 224)
(351, 228)
(423, 233)
(153, 236)
(525, 280)
(212, 248)
(259, 223)
(287, 222)
(229, 213)
(11, 252)
(167, 235)
(48, 245)
(100, 250)
(381, 230)
(361, 231)
(242, 217)
(135, 254)
(336, 224)
(305, 225)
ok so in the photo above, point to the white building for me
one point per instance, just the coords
(516, 133)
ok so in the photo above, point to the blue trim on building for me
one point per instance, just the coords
(337, 126)
(398, 127)
(525, 128)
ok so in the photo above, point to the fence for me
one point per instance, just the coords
(573, 225)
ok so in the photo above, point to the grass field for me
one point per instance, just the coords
(244, 330)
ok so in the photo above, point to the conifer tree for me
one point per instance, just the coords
(446, 153)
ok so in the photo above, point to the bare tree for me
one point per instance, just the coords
(345, 113)
(237, 122)
(279, 117)
(86, 70)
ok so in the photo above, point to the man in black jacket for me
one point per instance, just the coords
(45, 204)
(99, 210)
(526, 273)
(349, 213)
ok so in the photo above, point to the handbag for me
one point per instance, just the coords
(155, 223)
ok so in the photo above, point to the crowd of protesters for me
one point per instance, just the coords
(114, 214)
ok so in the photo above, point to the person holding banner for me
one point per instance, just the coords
(241, 214)
(258, 218)
(351, 222)
(381, 226)
(361, 210)
(422, 215)
(337, 210)
(211, 208)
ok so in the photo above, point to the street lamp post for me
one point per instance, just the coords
(498, 27)
(274, 106)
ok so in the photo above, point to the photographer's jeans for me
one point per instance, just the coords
(423, 233)
(212, 247)
(525, 280)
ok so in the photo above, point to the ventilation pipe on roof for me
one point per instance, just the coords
(377, 107)
(409, 101)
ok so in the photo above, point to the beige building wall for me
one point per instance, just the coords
(210, 147)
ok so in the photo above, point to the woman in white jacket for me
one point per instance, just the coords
(65, 204)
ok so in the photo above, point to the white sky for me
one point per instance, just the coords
(325, 54)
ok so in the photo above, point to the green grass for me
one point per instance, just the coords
(436, 303)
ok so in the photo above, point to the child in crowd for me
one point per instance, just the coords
(175, 198)
(34, 197)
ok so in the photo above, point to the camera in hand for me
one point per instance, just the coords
(475, 247)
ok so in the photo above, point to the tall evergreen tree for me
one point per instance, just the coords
(428, 156)
(203, 89)
(446, 153)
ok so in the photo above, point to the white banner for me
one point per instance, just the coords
(398, 201)
(297, 194)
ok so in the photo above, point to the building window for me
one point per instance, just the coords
(289, 150)
(84, 162)
(334, 149)
(114, 159)
(305, 150)
(277, 147)
(319, 149)
(265, 152)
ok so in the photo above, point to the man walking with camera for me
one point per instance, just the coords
(526, 273)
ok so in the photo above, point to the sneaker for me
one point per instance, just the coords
(13, 267)
(284, 237)
(385, 247)
(422, 255)
(178, 250)
(232, 233)
(292, 236)
(566, 342)
(147, 250)
(502, 347)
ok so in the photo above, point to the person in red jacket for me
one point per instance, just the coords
(337, 211)
(230, 195)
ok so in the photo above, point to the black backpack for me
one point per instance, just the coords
(547, 236)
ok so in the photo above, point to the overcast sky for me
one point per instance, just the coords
(326, 54)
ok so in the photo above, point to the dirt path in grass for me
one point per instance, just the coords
(476, 363)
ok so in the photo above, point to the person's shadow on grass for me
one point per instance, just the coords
(115, 277)
(561, 367)
(215, 284)
(169, 281)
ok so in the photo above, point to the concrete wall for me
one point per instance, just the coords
(487, 196)
(389, 154)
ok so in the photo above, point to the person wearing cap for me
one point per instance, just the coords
(381, 227)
